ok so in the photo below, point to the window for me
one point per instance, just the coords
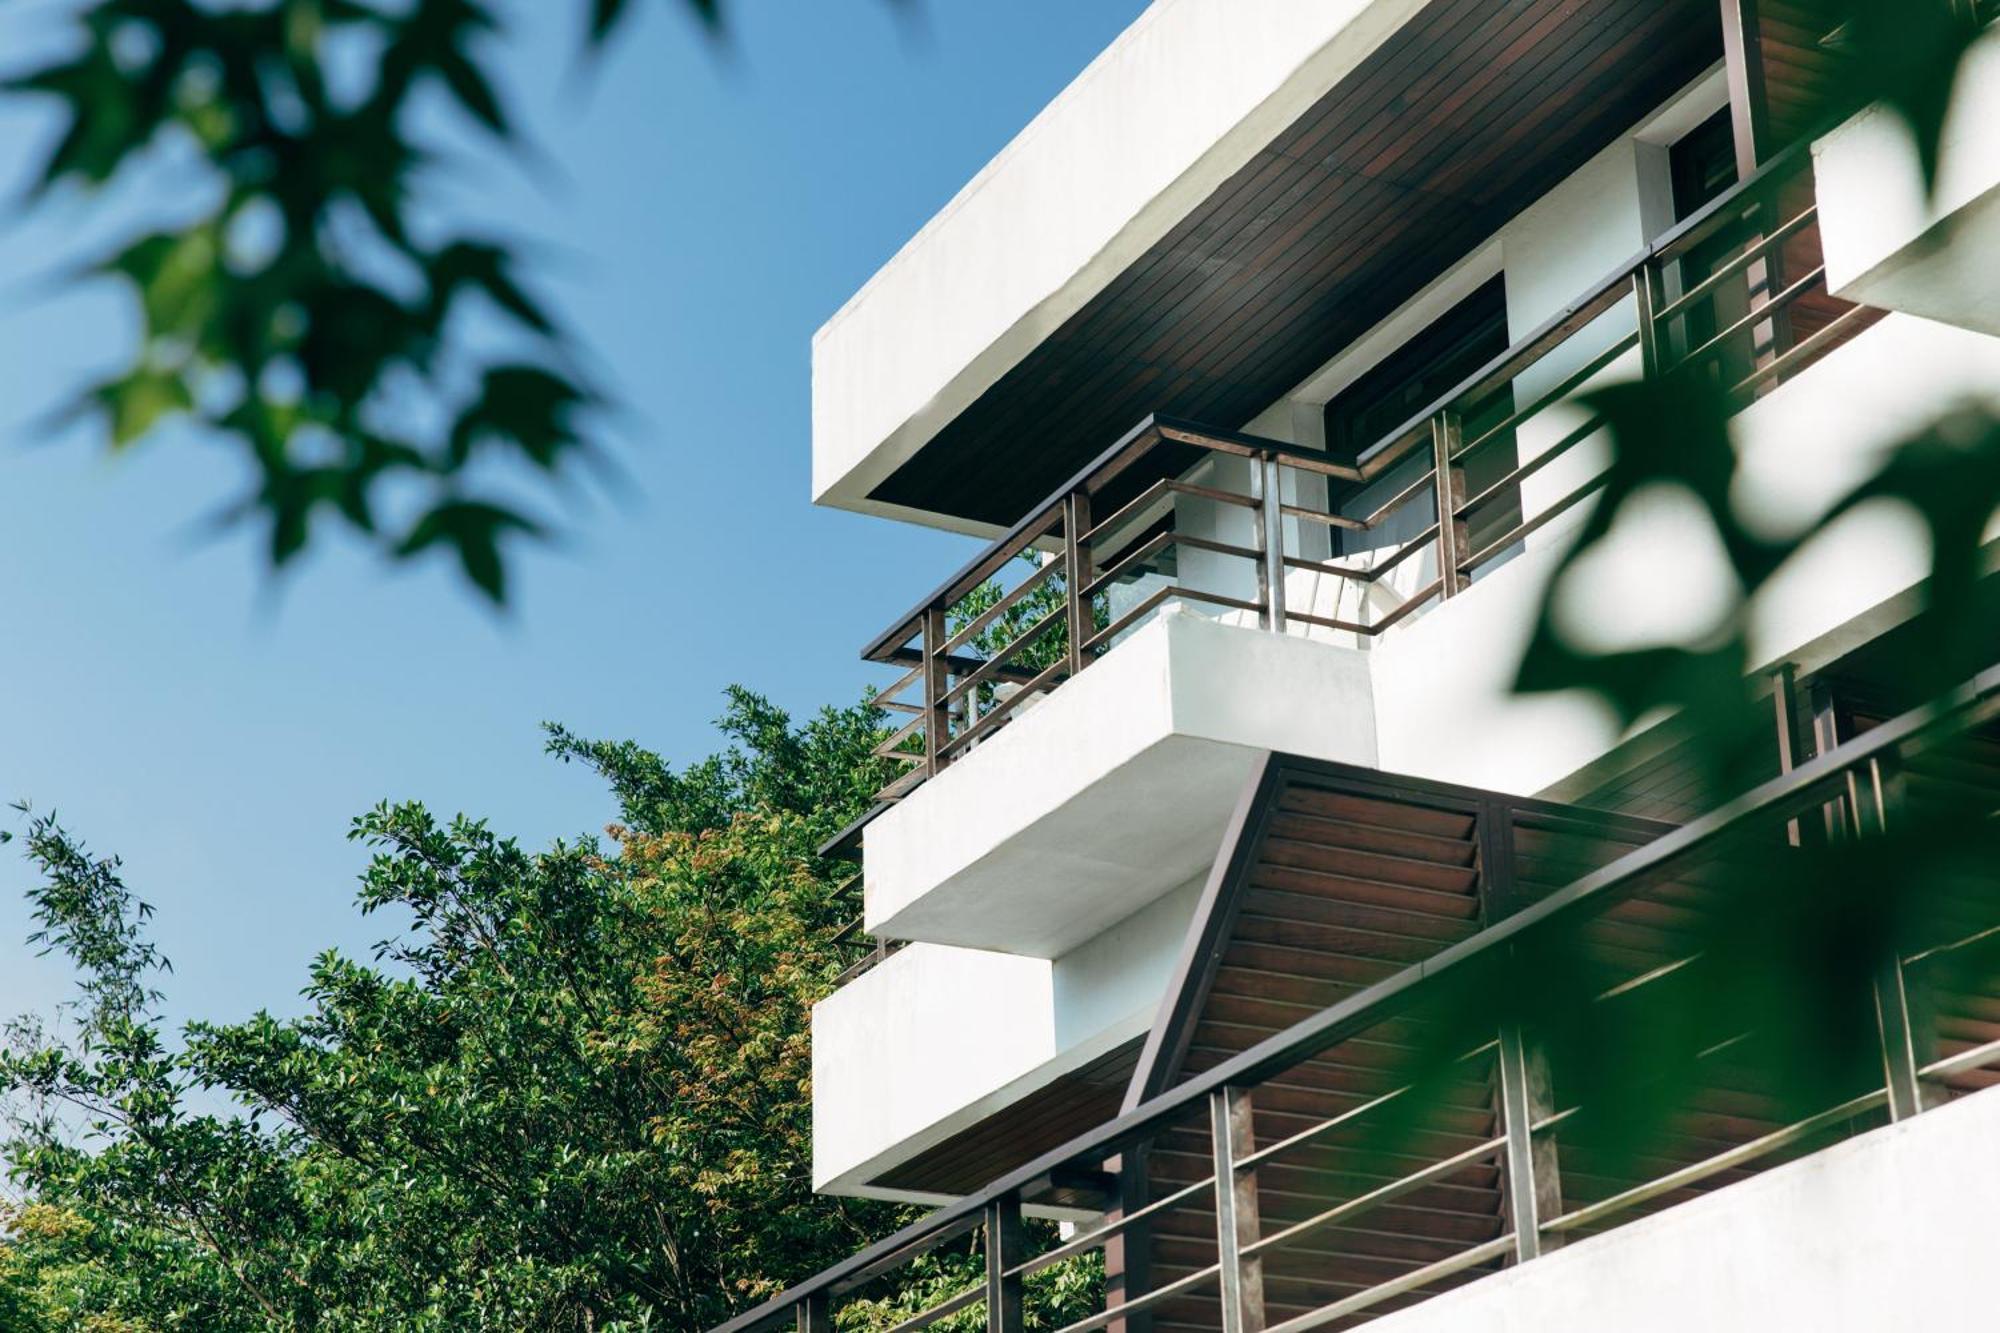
(1419, 373)
(1414, 377)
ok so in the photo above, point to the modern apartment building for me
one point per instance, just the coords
(1257, 358)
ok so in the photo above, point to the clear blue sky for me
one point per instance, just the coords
(702, 218)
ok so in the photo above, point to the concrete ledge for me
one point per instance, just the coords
(1112, 790)
(1887, 244)
(1891, 1230)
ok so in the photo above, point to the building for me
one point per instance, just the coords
(1257, 359)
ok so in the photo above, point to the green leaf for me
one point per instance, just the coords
(474, 530)
(135, 401)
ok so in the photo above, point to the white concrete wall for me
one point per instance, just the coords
(1893, 1230)
(936, 1038)
(1889, 245)
(1181, 101)
(922, 1035)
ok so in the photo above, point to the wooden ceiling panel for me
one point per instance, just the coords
(1465, 116)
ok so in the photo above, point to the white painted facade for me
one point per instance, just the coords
(1890, 1230)
(1047, 877)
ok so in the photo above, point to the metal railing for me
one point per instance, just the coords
(1408, 1143)
(1254, 528)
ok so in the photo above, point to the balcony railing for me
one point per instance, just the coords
(1238, 1246)
(1298, 542)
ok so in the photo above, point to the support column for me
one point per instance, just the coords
(1449, 486)
(1525, 1091)
(1128, 1255)
(1004, 1250)
(1236, 1219)
(1743, 65)
(937, 677)
(815, 1314)
(1079, 570)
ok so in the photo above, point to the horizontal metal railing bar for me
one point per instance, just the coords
(1778, 235)
(1090, 1240)
(1729, 206)
(1219, 548)
(1308, 1135)
(1400, 498)
(1323, 518)
(993, 716)
(1555, 394)
(1002, 657)
(1395, 1189)
(1212, 493)
(1522, 530)
(1528, 469)
(956, 664)
(1421, 541)
(1125, 1309)
(1969, 705)
(1328, 622)
(1217, 599)
(942, 1310)
(1410, 604)
(970, 630)
(1253, 446)
(1696, 1172)
(1759, 315)
(1411, 1281)
(1138, 555)
(896, 705)
(886, 748)
(1963, 1062)
(1804, 349)
(1125, 621)
(1137, 504)
(1953, 946)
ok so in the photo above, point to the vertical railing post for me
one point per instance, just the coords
(1794, 736)
(1236, 1219)
(1645, 302)
(1128, 1255)
(1004, 1253)
(1449, 486)
(1078, 571)
(814, 1314)
(1526, 1096)
(1271, 510)
(1902, 1049)
(937, 678)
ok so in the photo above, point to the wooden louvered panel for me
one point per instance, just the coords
(1346, 889)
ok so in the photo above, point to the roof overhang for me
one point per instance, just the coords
(1224, 198)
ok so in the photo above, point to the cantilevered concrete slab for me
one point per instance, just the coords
(1888, 244)
(1181, 100)
(1112, 790)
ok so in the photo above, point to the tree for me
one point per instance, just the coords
(571, 1093)
(305, 316)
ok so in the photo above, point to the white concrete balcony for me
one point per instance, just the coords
(1111, 791)
(1891, 244)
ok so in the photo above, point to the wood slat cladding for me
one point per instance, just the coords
(1073, 1104)
(1467, 114)
(1336, 878)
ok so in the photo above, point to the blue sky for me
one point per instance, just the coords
(700, 219)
